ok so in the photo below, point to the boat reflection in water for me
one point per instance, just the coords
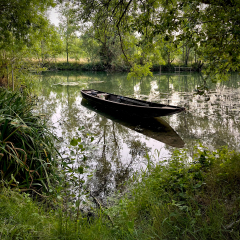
(156, 128)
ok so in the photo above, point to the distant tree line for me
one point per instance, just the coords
(127, 35)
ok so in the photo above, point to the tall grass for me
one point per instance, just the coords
(21, 218)
(26, 145)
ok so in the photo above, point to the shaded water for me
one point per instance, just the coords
(211, 118)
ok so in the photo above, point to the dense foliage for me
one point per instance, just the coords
(19, 18)
(27, 39)
(184, 199)
(139, 36)
(210, 28)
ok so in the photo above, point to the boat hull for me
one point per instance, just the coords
(144, 109)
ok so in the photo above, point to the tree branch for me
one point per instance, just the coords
(125, 10)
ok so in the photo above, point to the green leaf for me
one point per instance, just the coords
(74, 142)
(130, 225)
(81, 128)
(198, 185)
(80, 170)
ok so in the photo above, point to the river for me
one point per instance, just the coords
(120, 148)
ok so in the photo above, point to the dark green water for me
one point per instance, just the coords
(211, 118)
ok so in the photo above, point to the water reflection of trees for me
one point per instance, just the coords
(212, 118)
(112, 170)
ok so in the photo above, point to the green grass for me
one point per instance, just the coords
(26, 145)
(182, 200)
(21, 218)
(177, 199)
(75, 66)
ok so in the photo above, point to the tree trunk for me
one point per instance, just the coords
(7, 78)
(12, 79)
(183, 55)
(42, 52)
(187, 55)
(67, 50)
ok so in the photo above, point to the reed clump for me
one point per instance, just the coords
(26, 145)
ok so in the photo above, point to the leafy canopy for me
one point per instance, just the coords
(211, 27)
(18, 18)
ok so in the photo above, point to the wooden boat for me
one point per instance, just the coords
(128, 105)
(156, 128)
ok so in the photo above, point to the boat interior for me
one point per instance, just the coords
(116, 98)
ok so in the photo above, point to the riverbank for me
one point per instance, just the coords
(177, 199)
(98, 66)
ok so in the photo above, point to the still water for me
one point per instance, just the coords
(120, 145)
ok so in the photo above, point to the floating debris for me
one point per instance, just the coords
(138, 128)
(67, 84)
(96, 82)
